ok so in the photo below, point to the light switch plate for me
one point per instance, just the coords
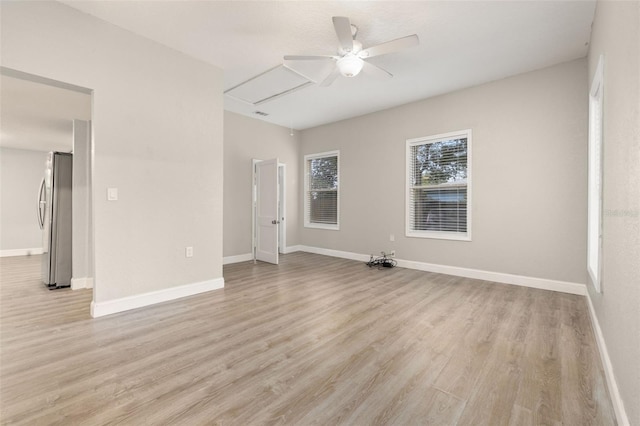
(112, 194)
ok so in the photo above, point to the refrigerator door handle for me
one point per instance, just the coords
(41, 205)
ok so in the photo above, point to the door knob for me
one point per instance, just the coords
(275, 222)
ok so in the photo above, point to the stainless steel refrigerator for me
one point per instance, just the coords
(54, 217)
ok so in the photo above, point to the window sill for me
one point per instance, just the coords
(439, 235)
(322, 226)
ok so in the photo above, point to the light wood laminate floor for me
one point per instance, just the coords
(315, 340)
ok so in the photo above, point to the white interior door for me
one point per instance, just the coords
(267, 217)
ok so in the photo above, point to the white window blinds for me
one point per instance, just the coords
(438, 195)
(321, 190)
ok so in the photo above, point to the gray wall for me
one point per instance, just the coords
(245, 139)
(20, 174)
(529, 173)
(616, 35)
(157, 128)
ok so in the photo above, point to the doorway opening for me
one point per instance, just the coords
(41, 116)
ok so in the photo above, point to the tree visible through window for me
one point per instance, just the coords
(321, 187)
(438, 187)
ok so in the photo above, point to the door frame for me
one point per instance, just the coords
(282, 207)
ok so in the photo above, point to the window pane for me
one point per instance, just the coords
(440, 209)
(440, 162)
(323, 173)
(323, 207)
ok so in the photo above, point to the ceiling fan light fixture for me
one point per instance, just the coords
(350, 65)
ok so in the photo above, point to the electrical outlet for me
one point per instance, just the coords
(392, 253)
(188, 252)
(392, 237)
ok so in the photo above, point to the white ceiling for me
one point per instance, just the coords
(462, 44)
(38, 116)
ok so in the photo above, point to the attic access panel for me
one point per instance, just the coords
(269, 85)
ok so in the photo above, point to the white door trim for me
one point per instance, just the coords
(282, 207)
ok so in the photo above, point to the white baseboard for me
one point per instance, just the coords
(612, 384)
(335, 253)
(81, 283)
(499, 277)
(99, 309)
(21, 252)
(291, 249)
(248, 256)
(237, 258)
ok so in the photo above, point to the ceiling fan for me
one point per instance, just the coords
(351, 57)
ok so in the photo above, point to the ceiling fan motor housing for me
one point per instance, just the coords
(357, 48)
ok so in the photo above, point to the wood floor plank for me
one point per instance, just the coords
(492, 399)
(539, 390)
(520, 416)
(434, 408)
(314, 340)
(580, 361)
(416, 366)
(461, 373)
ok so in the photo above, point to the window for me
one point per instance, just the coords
(439, 186)
(322, 201)
(594, 209)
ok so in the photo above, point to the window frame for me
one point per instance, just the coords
(441, 235)
(595, 170)
(306, 190)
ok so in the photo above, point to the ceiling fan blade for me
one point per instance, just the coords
(330, 78)
(343, 31)
(375, 70)
(390, 46)
(308, 57)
